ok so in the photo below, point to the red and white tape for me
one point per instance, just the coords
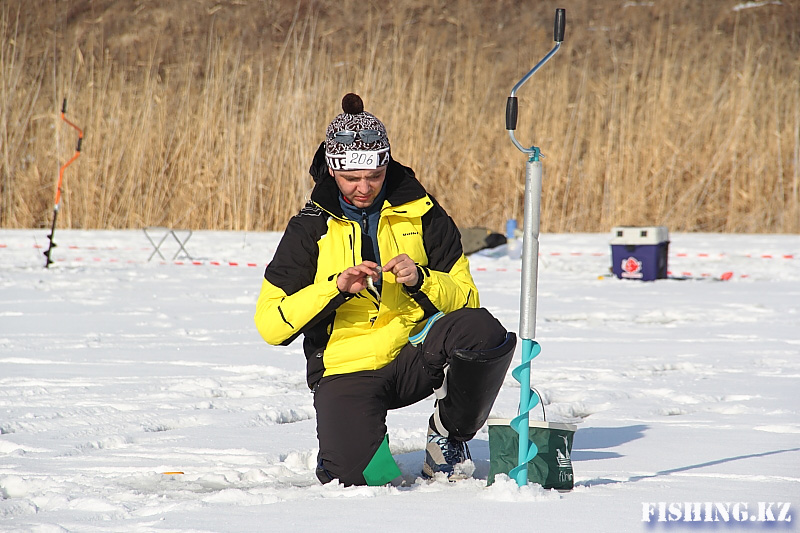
(552, 254)
(724, 276)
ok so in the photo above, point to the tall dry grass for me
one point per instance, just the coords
(681, 113)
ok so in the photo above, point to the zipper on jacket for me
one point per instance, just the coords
(352, 238)
(364, 222)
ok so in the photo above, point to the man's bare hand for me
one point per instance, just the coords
(404, 270)
(354, 279)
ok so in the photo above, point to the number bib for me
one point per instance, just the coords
(357, 160)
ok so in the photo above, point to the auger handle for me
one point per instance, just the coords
(76, 128)
(512, 105)
(560, 24)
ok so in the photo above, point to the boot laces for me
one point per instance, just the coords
(454, 451)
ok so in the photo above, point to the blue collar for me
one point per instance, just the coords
(356, 213)
(367, 219)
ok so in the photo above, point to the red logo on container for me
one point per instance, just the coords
(631, 268)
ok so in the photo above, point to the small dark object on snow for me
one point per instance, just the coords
(478, 238)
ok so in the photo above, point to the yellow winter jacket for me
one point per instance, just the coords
(349, 333)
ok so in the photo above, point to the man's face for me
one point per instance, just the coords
(360, 187)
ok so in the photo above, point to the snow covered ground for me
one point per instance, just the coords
(115, 371)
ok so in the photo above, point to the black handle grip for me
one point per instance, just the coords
(80, 141)
(511, 113)
(64, 106)
(560, 23)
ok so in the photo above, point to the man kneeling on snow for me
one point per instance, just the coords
(381, 337)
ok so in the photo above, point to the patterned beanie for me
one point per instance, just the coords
(355, 139)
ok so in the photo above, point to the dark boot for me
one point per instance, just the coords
(473, 380)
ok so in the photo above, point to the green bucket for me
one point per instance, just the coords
(552, 466)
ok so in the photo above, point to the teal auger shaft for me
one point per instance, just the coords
(527, 401)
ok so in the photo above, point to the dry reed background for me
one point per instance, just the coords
(205, 114)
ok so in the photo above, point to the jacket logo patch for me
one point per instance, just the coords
(410, 233)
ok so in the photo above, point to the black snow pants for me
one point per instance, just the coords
(466, 352)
